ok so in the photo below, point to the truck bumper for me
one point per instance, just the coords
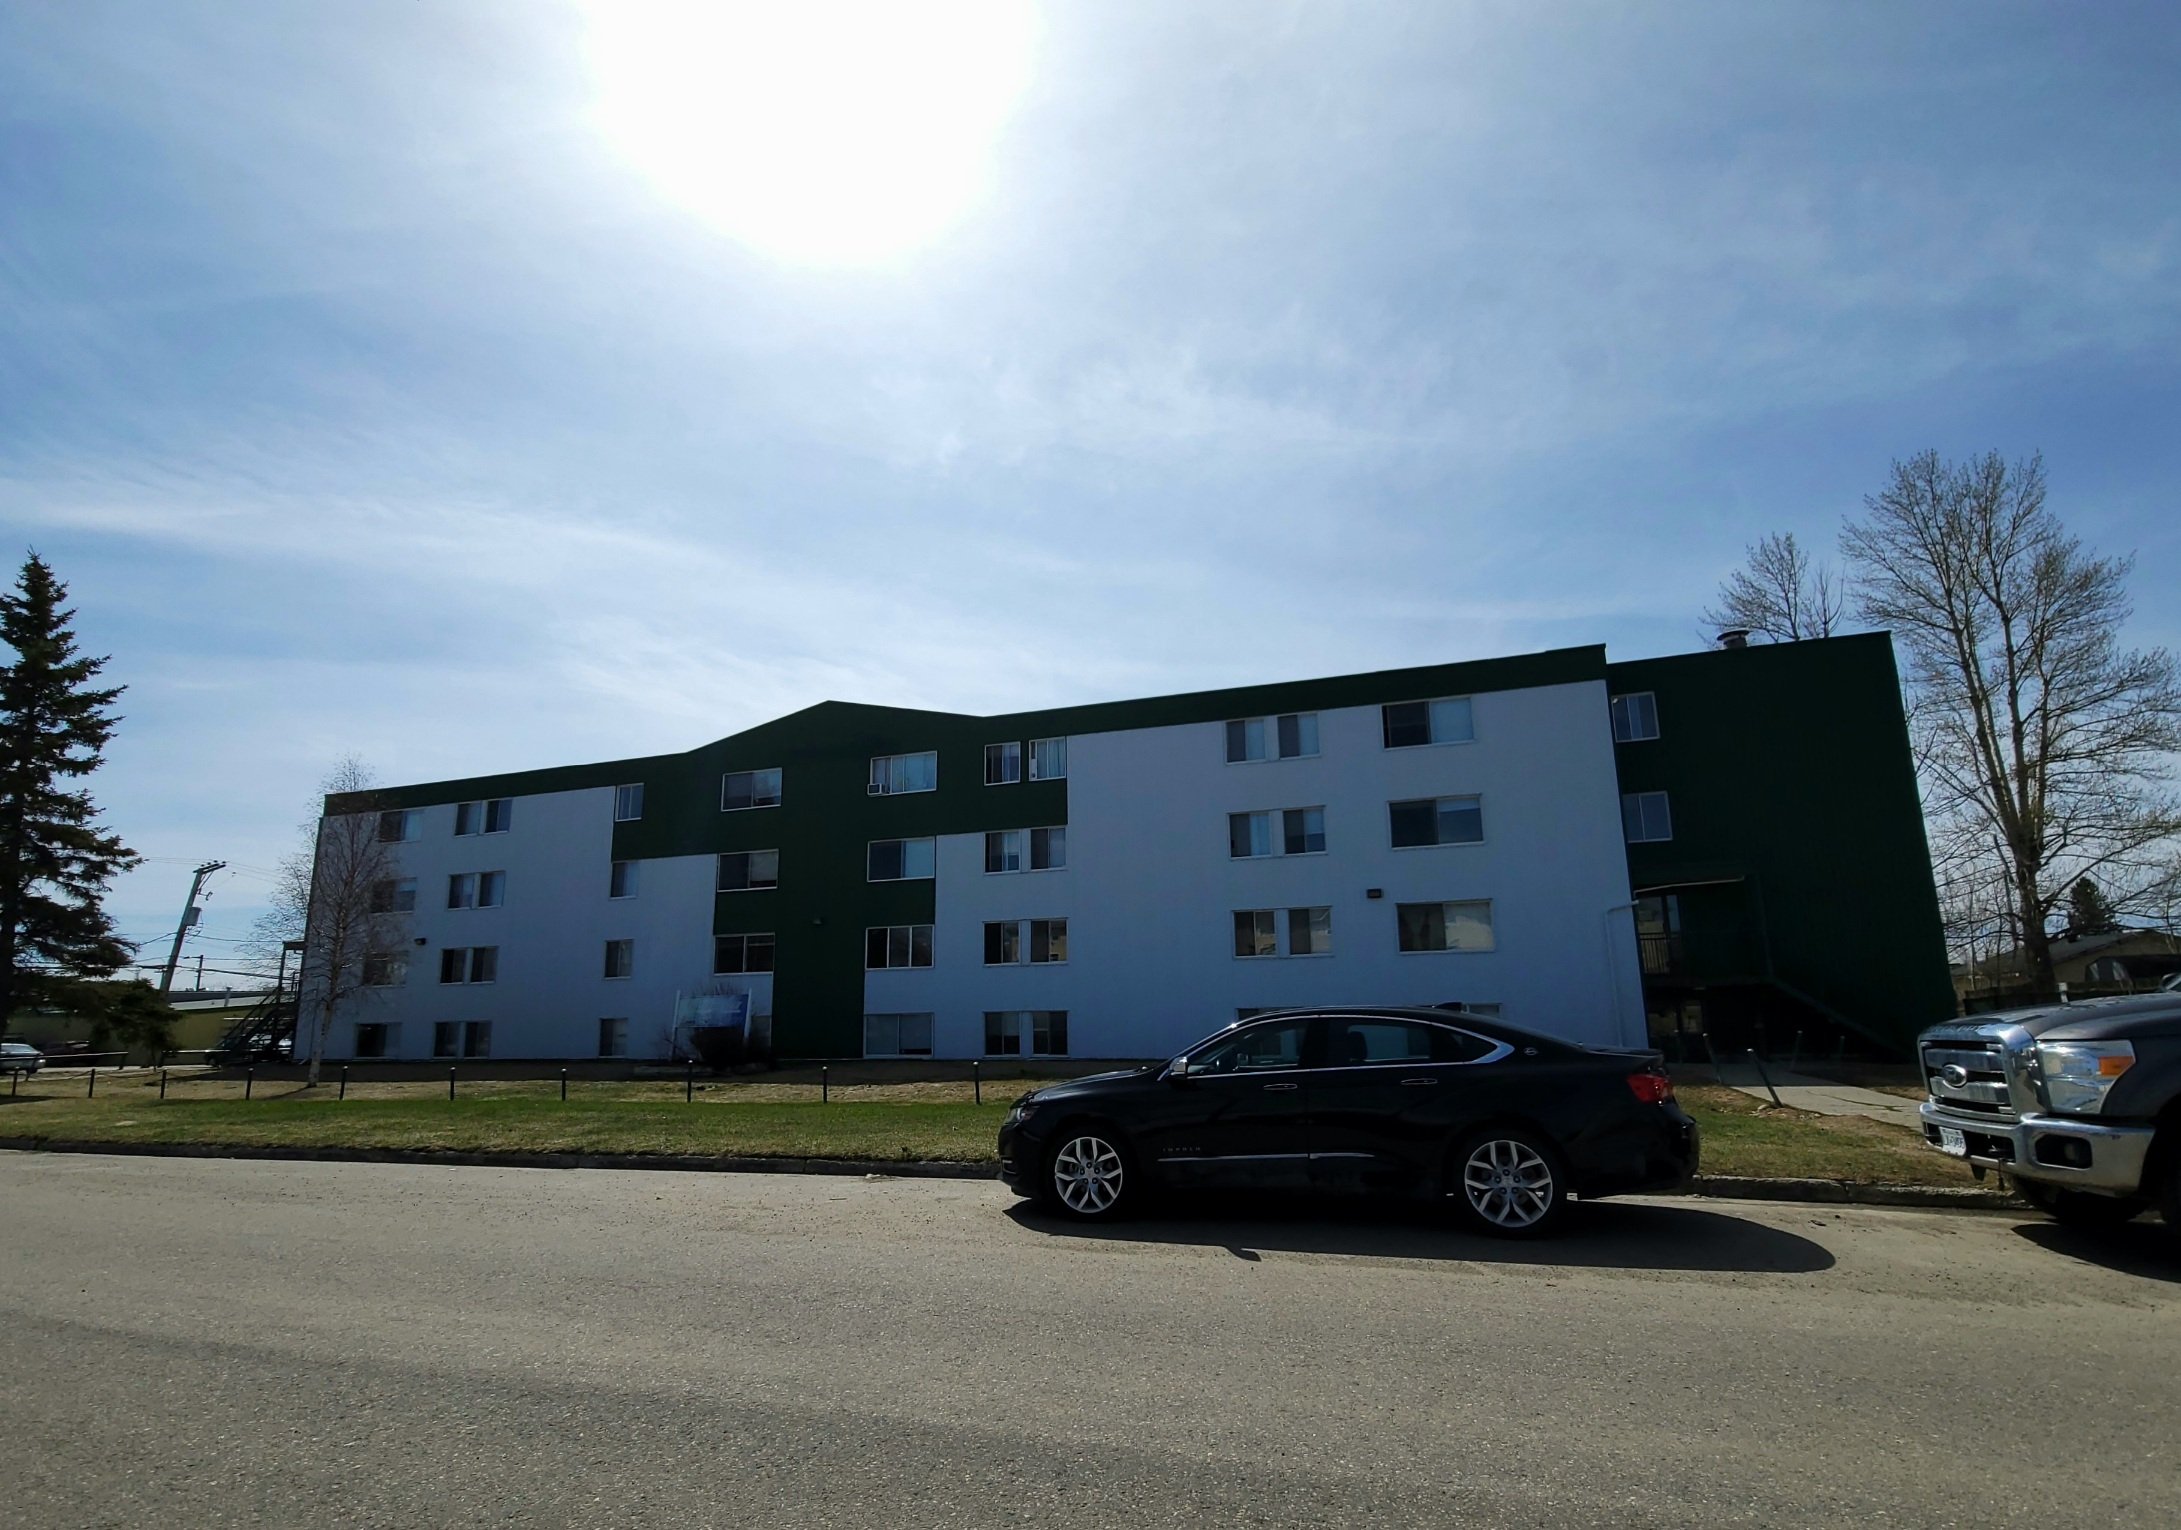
(2068, 1152)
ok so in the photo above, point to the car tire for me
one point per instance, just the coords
(1507, 1182)
(2073, 1208)
(1089, 1174)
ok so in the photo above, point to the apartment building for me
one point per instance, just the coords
(1115, 880)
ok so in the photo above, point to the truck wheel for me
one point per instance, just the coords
(2073, 1208)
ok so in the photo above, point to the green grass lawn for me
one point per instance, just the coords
(871, 1122)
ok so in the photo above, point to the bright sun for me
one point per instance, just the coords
(837, 132)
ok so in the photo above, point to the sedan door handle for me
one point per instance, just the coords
(1419, 1083)
(1283, 1086)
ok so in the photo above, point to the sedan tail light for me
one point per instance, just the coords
(1651, 1088)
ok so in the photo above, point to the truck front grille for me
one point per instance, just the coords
(1968, 1075)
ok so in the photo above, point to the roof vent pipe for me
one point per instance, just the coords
(1734, 637)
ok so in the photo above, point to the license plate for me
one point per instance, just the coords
(1951, 1141)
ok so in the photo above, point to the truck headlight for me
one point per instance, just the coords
(2079, 1074)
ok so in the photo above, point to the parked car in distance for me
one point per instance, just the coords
(1500, 1124)
(20, 1057)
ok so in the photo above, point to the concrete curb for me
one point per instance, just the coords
(1824, 1191)
(704, 1163)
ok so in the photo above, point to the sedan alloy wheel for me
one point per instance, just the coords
(1089, 1175)
(1508, 1185)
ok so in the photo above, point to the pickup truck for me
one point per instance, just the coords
(2078, 1105)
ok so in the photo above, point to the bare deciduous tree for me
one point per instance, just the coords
(2042, 737)
(337, 893)
(1780, 594)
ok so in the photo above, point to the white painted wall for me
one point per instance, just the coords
(1150, 890)
(552, 931)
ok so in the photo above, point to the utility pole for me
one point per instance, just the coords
(190, 913)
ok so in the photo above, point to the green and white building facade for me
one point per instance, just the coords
(1713, 842)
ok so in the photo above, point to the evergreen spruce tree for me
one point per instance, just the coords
(55, 860)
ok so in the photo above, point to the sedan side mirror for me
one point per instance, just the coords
(1177, 1071)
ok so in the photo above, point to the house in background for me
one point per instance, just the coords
(2109, 962)
(1720, 842)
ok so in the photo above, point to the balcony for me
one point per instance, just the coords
(1660, 955)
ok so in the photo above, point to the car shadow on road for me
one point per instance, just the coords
(1598, 1235)
(2142, 1248)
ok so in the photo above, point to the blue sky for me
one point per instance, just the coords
(372, 398)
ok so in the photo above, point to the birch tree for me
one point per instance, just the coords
(1779, 593)
(340, 894)
(2039, 734)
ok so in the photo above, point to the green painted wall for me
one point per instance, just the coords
(1793, 788)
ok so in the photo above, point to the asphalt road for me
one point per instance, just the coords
(235, 1343)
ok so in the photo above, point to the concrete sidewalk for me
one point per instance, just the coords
(1820, 1096)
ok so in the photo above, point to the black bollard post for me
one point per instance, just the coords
(249, 1080)
(92, 1088)
(344, 1083)
(976, 1079)
(564, 1086)
(162, 1083)
(824, 1087)
(450, 1083)
(689, 1082)
(1759, 1061)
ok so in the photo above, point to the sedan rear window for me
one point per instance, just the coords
(1368, 1043)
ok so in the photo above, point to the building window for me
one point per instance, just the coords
(620, 958)
(1046, 1030)
(1049, 1032)
(1003, 943)
(1003, 850)
(613, 1038)
(1445, 926)
(1002, 764)
(1292, 831)
(492, 816)
(903, 860)
(892, 774)
(622, 882)
(469, 964)
(1048, 940)
(1048, 759)
(1449, 720)
(477, 889)
(400, 826)
(1048, 849)
(394, 895)
(897, 1035)
(384, 969)
(1437, 821)
(462, 1038)
(896, 945)
(1645, 817)
(1256, 932)
(749, 789)
(749, 870)
(628, 802)
(1310, 932)
(741, 953)
(1635, 717)
(1291, 736)
(377, 1039)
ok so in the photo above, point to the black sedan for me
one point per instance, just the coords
(1501, 1123)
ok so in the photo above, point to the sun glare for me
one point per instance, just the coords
(837, 132)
